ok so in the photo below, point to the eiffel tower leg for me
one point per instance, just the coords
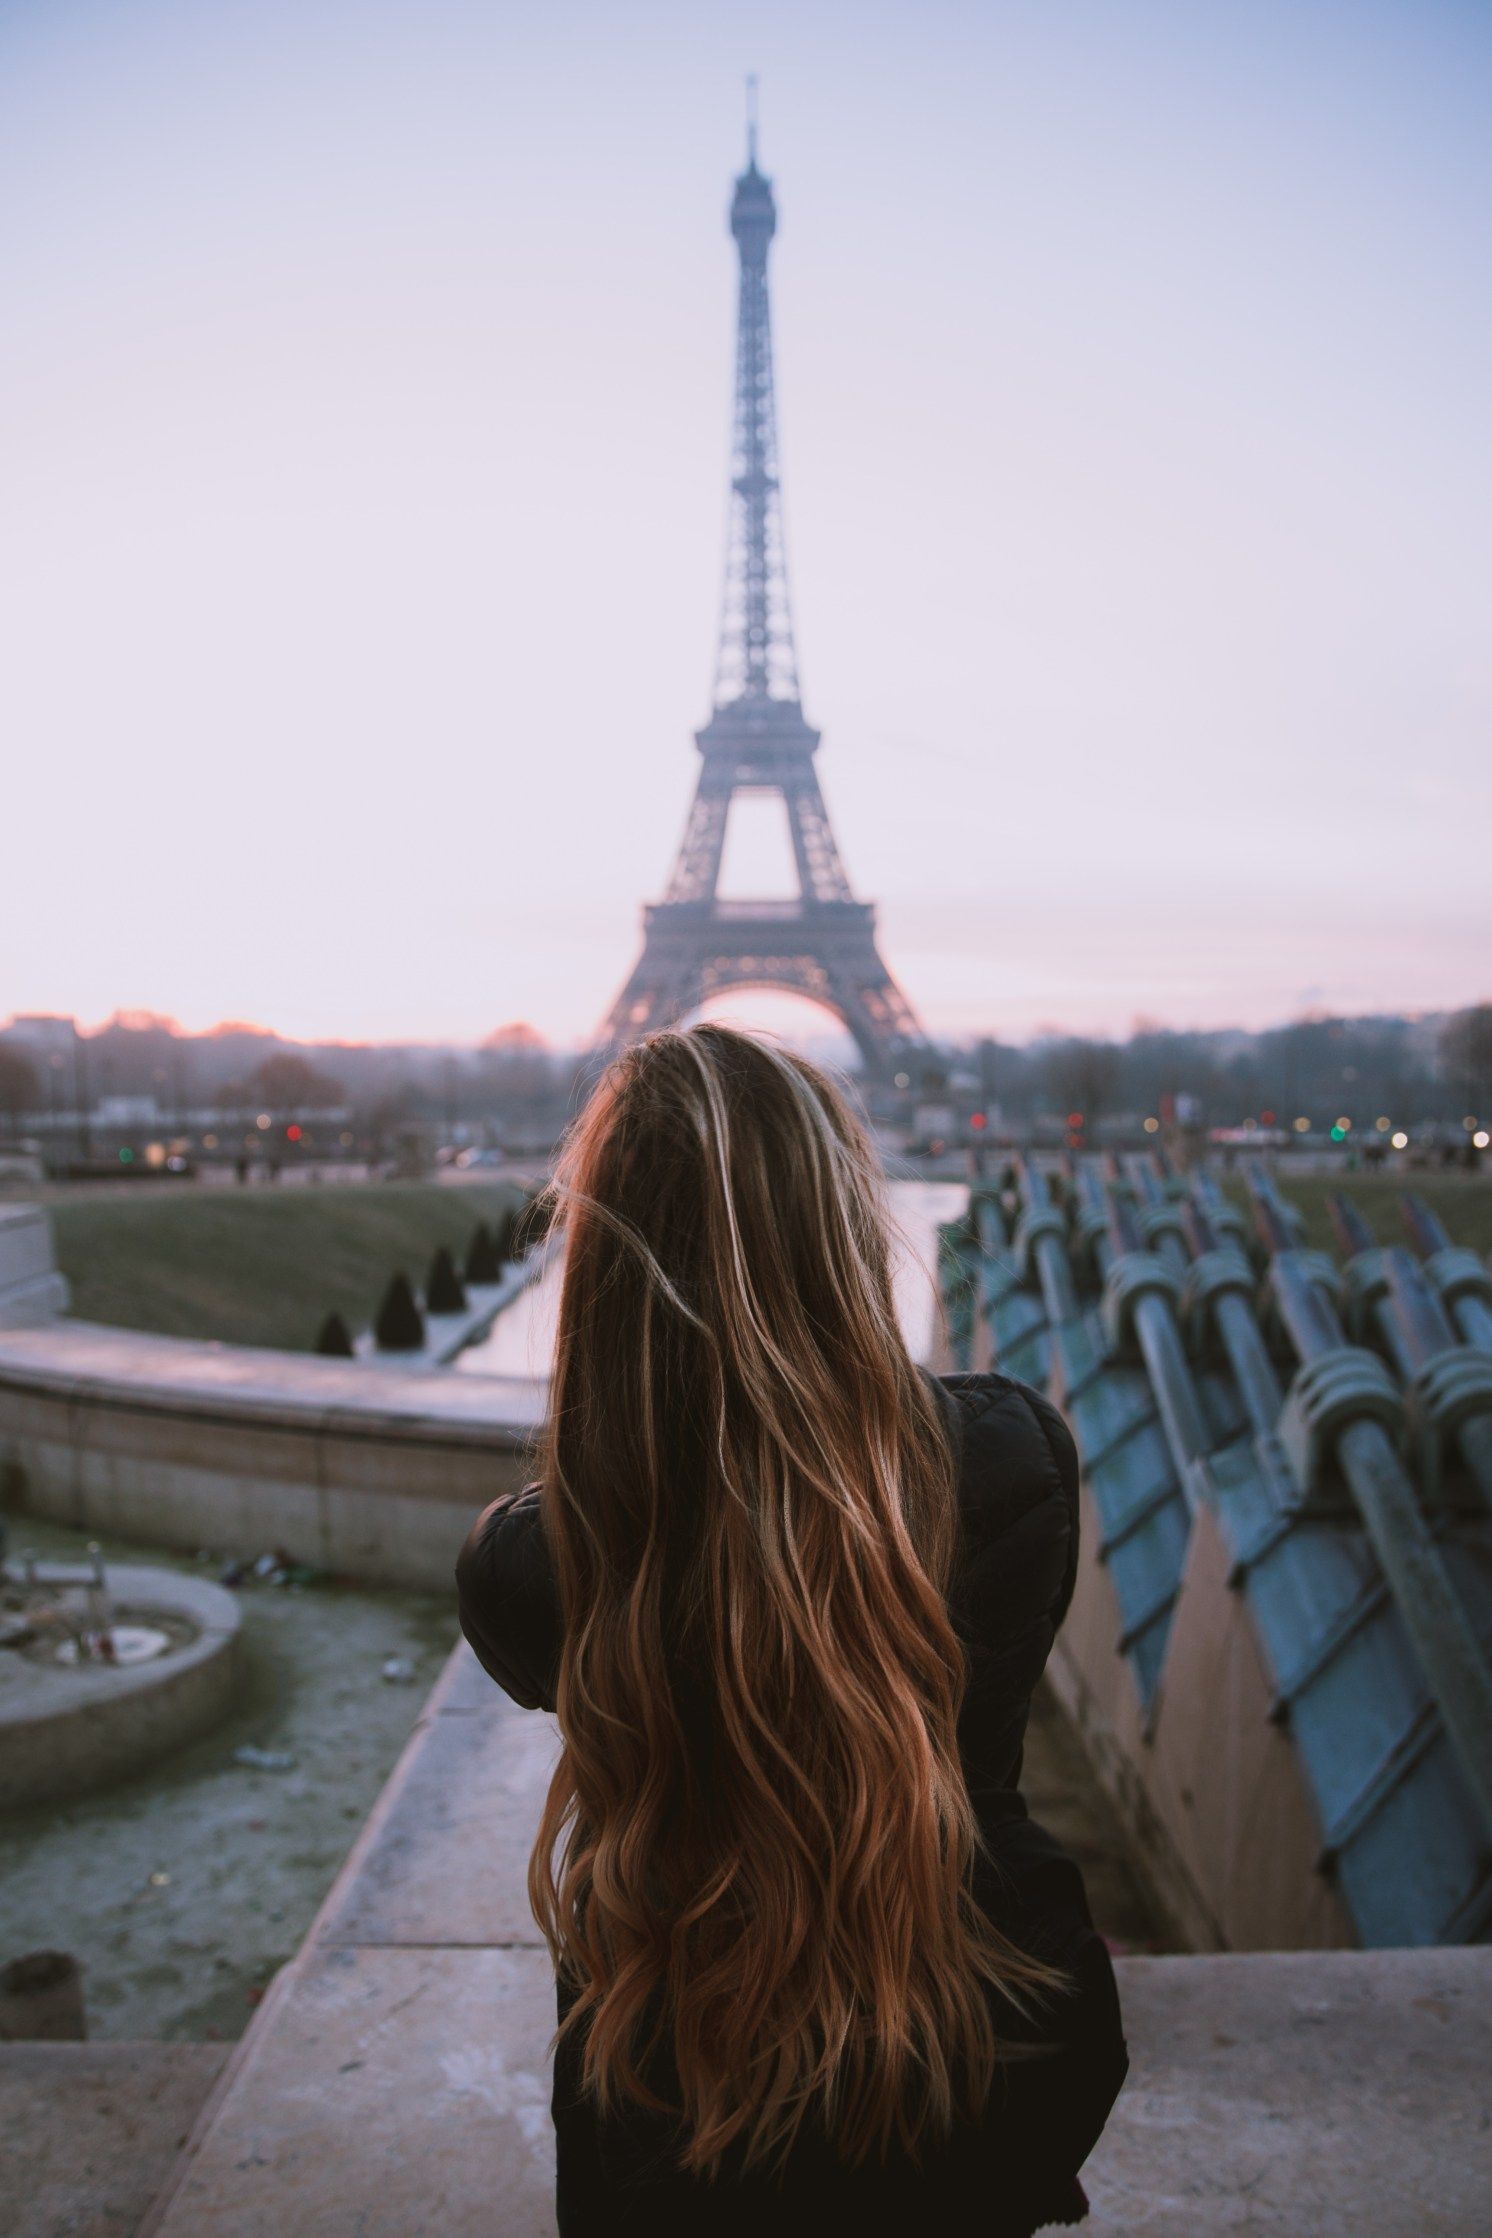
(697, 869)
(864, 1016)
(659, 993)
(821, 874)
(876, 1011)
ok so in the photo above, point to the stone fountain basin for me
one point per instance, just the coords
(65, 1728)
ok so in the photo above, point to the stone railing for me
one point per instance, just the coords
(371, 1471)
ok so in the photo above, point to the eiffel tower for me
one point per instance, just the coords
(819, 942)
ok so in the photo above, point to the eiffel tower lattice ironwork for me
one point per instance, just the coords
(821, 941)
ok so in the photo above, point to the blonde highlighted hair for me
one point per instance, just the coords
(753, 1865)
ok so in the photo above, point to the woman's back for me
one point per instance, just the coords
(789, 1598)
(1013, 1574)
(1012, 1579)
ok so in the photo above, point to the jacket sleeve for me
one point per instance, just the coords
(1062, 1448)
(508, 1601)
(1016, 1571)
(1052, 2108)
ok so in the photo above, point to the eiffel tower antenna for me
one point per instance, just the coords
(821, 941)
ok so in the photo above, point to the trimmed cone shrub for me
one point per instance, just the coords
(483, 1263)
(507, 1239)
(400, 1326)
(334, 1338)
(444, 1292)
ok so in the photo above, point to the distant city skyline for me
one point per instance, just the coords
(786, 1017)
(365, 400)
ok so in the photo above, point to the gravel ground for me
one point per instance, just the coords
(182, 1890)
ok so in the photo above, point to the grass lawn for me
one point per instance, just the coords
(262, 1266)
(1462, 1200)
(257, 1266)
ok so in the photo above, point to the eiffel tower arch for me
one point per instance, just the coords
(819, 942)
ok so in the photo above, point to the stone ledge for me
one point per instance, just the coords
(1330, 2092)
(137, 1373)
(395, 2083)
(394, 2092)
(444, 1858)
(369, 1471)
(403, 2093)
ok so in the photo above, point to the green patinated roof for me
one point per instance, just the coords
(1335, 1416)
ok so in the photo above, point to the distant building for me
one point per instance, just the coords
(42, 1034)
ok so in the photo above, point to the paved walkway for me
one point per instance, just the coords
(394, 2084)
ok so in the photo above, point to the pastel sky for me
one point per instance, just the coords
(364, 392)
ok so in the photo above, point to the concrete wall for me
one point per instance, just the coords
(1209, 1789)
(370, 1471)
(1221, 1825)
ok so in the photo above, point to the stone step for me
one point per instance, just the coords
(395, 2082)
(1275, 2093)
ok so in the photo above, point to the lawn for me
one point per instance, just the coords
(257, 1266)
(261, 1266)
(1462, 1200)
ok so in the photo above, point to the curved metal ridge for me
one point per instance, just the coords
(1366, 1566)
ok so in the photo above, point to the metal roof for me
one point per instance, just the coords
(1335, 1417)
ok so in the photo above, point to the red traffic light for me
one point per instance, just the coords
(292, 1134)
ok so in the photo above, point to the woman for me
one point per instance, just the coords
(789, 1599)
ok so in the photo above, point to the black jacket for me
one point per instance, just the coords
(1016, 2169)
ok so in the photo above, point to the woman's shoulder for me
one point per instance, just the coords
(1018, 1507)
(1015, 1451)
(507, 1598)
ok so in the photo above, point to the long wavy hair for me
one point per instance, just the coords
(754, 1861)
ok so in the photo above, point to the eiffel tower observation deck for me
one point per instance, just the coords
(819, 942)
